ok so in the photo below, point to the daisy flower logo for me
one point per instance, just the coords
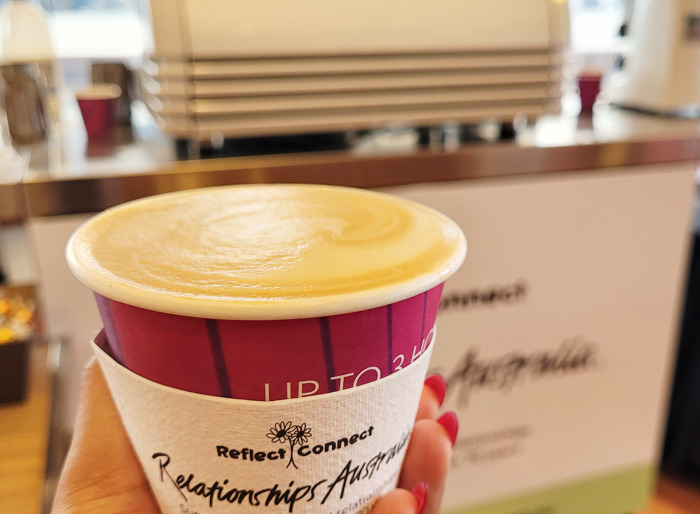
(286, 432)
(303, 433)
(280, 432)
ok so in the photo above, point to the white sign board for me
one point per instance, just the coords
(557, 337)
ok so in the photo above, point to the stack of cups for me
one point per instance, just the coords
(266, 345)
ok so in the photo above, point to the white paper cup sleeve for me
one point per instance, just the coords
(335, 452)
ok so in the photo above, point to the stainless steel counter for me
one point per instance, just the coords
(68, 176)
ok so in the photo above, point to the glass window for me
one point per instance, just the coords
(98, 29)
(595, 24)
(88, 30)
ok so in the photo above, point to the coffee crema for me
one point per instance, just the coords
(266, 251)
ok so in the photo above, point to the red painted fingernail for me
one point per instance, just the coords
(439, 386)
(420, 492)
(451, 425)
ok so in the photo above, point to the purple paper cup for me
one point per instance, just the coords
(267, 292)
(270, 359)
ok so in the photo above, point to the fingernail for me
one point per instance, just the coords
(420, 492)
(451, 425)
(439, 386)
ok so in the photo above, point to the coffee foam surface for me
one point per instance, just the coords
(266, 251)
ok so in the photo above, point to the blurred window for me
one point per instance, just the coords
(98, 29)
(118, 29)
(596, 24)
(96, 5)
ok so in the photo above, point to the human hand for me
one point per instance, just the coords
(102, 474)
(427, 460)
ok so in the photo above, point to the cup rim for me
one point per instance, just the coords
(316, 305)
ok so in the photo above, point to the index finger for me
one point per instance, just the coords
(432, 396)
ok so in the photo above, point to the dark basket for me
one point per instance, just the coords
(14, 366)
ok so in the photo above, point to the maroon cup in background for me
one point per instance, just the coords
(98, 106)
(589, 87)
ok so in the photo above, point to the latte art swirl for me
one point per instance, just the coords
(266, 251)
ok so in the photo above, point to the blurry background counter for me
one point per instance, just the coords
(69, 176)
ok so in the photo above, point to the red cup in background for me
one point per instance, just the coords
(589, 87)
(98, 105)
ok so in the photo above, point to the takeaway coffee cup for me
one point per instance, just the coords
(266, 345)
(267, 292)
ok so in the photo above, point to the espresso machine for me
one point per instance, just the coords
(661, 72)
(255, 68)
